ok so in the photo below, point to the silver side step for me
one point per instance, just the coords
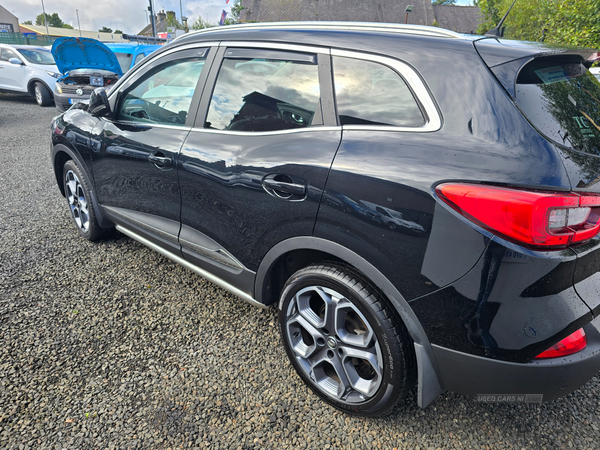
(203, 273)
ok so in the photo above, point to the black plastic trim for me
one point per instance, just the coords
(553, 378)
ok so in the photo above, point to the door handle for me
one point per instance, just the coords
(283, 186)
(160, 160)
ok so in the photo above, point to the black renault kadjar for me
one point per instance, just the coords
(422, 206)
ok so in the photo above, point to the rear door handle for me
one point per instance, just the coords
(283, 186)
(160, 160)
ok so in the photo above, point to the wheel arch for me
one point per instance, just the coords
(31, 84)
(275, 269)
(60, 155)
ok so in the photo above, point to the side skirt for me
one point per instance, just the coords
(203, 273)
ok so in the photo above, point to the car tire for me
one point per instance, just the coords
(345, 341)
(42, 94)
(79, 197)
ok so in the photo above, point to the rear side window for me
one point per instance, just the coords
(369, 93)
(562, 100)
(263, 94)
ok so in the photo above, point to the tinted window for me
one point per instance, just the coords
(264, 95)
(124, 61)
(37, 56)
(8, 54)
(368, 93)
(138, 58)
(164, 95)
(562, 99)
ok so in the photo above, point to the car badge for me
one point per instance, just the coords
(79, 91)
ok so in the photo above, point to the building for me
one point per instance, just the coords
(40, 30)
(162, 21)
(8, 22)
(463, 19)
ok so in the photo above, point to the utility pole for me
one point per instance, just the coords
(151, 9)
(146, 14)
(78, 24)
(180, 12)
(45, 19)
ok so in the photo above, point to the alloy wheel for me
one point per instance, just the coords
(77, 201)
(38, 94)
(334, 345)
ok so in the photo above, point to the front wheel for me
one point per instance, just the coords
(345, 341)
(42, 94)
(79, 196)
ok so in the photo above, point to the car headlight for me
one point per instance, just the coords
(58, 88)
(53, 74)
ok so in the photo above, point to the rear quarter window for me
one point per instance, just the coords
(369, 93)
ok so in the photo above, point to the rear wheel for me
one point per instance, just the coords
(346, 343)
(42, 94)
(79, 196)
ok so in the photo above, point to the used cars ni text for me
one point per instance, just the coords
(412, 225)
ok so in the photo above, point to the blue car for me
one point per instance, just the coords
(86, 64)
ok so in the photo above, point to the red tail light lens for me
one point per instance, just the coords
(530, 218)
(571, 344)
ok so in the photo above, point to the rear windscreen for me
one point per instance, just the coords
(561, 98)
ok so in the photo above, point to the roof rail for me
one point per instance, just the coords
(341, 26)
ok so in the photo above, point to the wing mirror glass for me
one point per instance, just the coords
(99, 105)
(15, 61)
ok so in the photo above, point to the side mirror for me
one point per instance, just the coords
(15, 61)
(99, 105)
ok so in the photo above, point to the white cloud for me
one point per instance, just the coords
(126, 15)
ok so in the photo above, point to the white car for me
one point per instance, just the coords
(28, 69)
(596, 72)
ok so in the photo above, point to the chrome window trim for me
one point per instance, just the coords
(433, 118)
(152, 125)
(277, 46)
(421, 30)
(267, 133)
(148, 60)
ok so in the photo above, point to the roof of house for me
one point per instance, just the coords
(336, 10)
(67, 32)
(463, 19)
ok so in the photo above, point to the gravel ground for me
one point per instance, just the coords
(110, 345)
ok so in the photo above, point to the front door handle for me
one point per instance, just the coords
(162, 161)
(283, 186)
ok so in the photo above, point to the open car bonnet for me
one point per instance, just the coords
(84, 53)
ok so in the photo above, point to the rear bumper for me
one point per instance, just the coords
(553, 378)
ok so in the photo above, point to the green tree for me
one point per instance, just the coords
(200, 24)
(105, 30)
(236, 10)
(27, 22)
(118, 32)
(53, 21)
(562, 22)
(443, 2)
(172, 21)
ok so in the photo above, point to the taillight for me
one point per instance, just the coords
(571, 344)
(532, 218)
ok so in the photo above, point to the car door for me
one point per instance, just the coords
(12, 76)
(253, 168)
(136, 151)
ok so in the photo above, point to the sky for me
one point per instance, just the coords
(129, 16)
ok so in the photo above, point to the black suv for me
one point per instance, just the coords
(422, 206)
